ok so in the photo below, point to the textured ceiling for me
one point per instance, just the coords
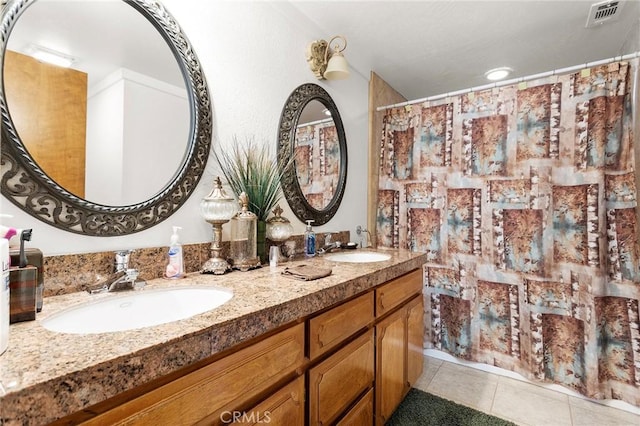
(425, 48)
(422, 48)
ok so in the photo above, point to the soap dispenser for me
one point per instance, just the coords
(175, 265)
(309, 241)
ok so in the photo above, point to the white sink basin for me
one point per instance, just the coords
(139, 309)
(358, 257)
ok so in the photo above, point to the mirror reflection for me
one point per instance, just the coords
(317, 155)
(161, 45)
(113, 128)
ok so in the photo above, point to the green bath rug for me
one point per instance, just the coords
(423, 409)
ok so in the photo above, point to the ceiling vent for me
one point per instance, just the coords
(604, 11)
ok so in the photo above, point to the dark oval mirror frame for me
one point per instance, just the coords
(293, 107)
(26, 185)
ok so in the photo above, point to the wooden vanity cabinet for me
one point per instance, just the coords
(399, 329)
(341, 350)
(342, 389)
(350, 365)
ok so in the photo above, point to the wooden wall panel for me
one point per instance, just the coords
(380, 94)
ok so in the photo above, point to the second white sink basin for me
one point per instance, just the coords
(144, 308)
(358, 257)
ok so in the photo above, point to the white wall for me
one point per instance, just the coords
(137, 132)
(157, 142)
(103, 156)
(253, 57)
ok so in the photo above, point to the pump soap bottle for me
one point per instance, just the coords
(175, 266)
(309, 241)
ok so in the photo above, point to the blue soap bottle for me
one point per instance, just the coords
(309, 241)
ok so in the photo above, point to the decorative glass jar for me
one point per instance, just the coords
(278, 227)
(217, 208)
(243, 237)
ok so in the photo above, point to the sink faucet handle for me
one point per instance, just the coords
(327, 238)
(122, 260)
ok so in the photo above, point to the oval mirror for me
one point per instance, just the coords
(118, 141)
(311, 133)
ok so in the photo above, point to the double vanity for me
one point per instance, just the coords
(336, 349)
(248, 347)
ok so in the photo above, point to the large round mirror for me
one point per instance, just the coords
(311, 133)
(116, 142)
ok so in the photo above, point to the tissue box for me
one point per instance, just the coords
(22, 293)
(34, 258)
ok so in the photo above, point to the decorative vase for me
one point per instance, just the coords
(261, 241)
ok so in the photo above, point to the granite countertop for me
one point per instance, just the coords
(46, 375)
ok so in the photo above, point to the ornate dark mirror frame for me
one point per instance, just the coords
(293, 107)
(26, 185)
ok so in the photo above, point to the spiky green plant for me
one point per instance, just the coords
(250, 167)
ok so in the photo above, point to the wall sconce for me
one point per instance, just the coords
(327, 63)
(217, 208)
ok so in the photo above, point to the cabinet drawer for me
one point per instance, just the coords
(216, 388)
(284, 407)
(392, 294)
(361, 414)
(335, 383)
(329, 329)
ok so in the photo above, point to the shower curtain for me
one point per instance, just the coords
(524, 199)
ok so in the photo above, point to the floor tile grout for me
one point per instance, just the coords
(562, 398)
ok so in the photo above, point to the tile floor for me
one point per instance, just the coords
(511, 397)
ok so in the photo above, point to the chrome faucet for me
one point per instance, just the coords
(122, 275)
(329, 245)
(367, 237)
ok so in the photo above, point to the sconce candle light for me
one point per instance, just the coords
(327, 63)
(217, 208)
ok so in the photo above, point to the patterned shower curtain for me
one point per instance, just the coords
(524, 199)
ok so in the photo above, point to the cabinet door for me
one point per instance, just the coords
(415, 332)
(284, 407)
(390, 364)
(336, 382)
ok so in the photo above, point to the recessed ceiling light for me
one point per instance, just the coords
(44, 54)
(498, 73)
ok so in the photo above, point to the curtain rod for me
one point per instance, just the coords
(515, 80)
